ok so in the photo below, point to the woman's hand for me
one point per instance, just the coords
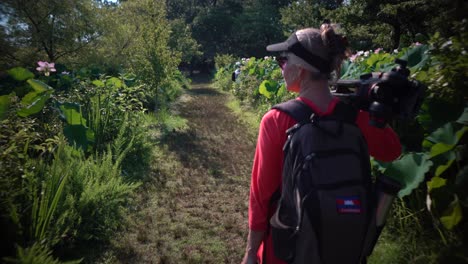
(249, 259)
(254, 240)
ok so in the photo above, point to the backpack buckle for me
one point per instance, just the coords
(293, 129)
(314, 118)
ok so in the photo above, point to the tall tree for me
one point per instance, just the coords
(378, 23)
(181, 40)
(54, 28)
(258, 26)
(145, 46)
(302, 14)
(213, 28)
(239, 27)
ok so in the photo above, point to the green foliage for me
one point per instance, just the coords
(302, 14)
(20, 74)
(379, 61)
(225, 65)
(139, 156)
(20, 139)
(257, 26)
(47, 28)
(224, 61)
(268, 88)
(168, 91)
(94, 121)
(67, 183)
(36, 254)
(34, 101)
(181, 40)
(233, 27)
(52, 185)
(443, 191)
(144, 26)
(71, 113)
(450, 62)
(45, 193)
(45, 204)
(417, 57)
(181, 79)
(5, 102)
(100, 116)
(213, 28)
(59, 196)
(259, 83)
(444, 139)
(77, 189)
(410, 170)
(100, 193)
(373, 24)
(169, 123)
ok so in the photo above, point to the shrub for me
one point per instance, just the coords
(224, 61)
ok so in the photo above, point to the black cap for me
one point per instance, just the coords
(293, 45)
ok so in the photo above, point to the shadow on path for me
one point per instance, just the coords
(203, 91)
(198, 213)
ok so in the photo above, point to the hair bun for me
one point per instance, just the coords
(337, 44)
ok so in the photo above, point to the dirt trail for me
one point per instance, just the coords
(196, 211)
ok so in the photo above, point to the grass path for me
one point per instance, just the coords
(194, 207)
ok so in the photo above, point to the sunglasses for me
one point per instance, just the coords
(281, 61)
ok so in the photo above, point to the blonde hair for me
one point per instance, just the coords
(337, 44)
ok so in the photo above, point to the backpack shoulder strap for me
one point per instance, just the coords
(300, 111)
(296, 109)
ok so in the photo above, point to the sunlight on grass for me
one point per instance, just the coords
(246, 117)
(170, 123)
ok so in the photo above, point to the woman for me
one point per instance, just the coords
(308, 57)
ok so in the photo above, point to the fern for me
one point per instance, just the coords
(103, 197)
(36, 254)
(79, 197)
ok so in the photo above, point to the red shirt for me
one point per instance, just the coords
(383, 144)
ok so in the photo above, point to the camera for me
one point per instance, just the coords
(384, 95)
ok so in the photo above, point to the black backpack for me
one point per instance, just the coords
(326, 201)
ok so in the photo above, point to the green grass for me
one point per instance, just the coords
(169, 122)
(387, 250)
(246, 116)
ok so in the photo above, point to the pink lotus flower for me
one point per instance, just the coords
(377, 51)
(46, 67)
(353, 57)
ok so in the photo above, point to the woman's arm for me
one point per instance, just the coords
(383, 143)
(265, 178)
(254, 240)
